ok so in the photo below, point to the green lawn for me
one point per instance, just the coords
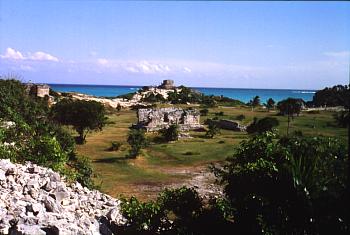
(145, 176)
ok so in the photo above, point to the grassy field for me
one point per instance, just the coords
(156, 167)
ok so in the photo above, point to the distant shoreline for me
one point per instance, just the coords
(140, 86)
(242, 94)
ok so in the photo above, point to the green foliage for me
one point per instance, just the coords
(171, 133)
(338, 95)
(176, 211)
(83, 115)
(32, 136)
(143, 216)
(151, 97)
(342, 118)
(262, 125)
(137, 140)
(240, 117)
(204, 112)
(290, 106)
(115, 146)
(221, 113)
(127, 96)
(270, 104)
(84, 171)
(287, 186)
(213, 129)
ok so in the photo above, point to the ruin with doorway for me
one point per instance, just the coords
(156, 119)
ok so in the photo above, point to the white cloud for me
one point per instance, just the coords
(102, 61)
(12, 54)
(17, 55)
(338, 54)
(39, 55)
(187, 70)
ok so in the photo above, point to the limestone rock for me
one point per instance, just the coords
(37, 200)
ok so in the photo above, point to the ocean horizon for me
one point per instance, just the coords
(243, 94)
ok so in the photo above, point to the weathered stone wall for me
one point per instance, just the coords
(156, 119)
(42, 90)
(167, 84)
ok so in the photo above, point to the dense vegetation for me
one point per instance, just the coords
(288, 185)
(272, 184)
(262, 125)
(334, 96)
(28, 134)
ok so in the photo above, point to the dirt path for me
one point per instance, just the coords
(199, 178)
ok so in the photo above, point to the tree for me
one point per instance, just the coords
(84, 116)
(171, 133)
(256, 101)
(270, 104)
(289, 186)
(338, 95)
(262, 125)
(290, 107)
(213, 129)
(137, 140)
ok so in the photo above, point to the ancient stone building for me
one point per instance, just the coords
(156, 119)
(40, 90)
(167, 84)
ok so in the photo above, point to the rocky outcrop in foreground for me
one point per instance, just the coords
(36, 200)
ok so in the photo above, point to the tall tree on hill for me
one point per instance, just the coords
(270, 104)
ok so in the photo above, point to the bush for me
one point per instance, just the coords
(262, 125)
(191, 153)
(240, 117)
(171, 133)
(115, 146)
(213, 129)
(204, 112)
(292, 185)
(342, 118)
(137, 140)
(219, 113)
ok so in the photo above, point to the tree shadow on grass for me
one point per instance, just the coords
(111, 159)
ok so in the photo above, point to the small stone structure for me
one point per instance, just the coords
(39, 90)
(156, 119)
(167, 84)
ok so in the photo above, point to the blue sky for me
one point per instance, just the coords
(301, 45)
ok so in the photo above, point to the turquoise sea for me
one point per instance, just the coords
(242, 94)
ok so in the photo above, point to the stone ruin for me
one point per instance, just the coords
(167, 84)
(39, 90)
(156, 119)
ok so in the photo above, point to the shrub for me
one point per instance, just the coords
(262, 125)
(292, 185)
(213, 129)
(137, 140)
(240, 117)
(115, 146)
(221, 113)
(204, 112)
(171, 133)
